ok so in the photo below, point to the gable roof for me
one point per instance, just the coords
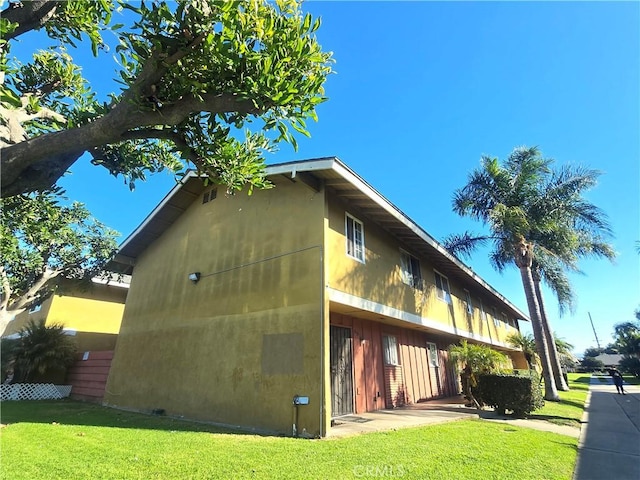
(341, 181)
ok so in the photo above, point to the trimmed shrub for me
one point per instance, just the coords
(519, 393)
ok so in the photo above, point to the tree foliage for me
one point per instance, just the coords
(195, 75)
(525, 198)
(627, 338)
(591, 364)
(42, 239)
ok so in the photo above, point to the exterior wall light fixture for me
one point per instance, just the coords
(194, 277)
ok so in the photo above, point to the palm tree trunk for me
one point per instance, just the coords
(524, 259)
(561, 384)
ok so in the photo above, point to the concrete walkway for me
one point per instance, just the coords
(609, 446)
(432, 412)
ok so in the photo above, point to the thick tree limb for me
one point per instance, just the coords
(164, 134)
(6, 288)
(29, 15)
(28, 298)
(40, 161)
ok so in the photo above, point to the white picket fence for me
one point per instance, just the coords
(34, 391)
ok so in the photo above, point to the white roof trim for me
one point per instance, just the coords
(158, 207)
(111, 283)
(360, 303)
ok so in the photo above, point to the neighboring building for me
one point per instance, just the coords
(90, 313)
(319, 287)
(610, 360)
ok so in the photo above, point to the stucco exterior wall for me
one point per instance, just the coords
(379, 279)
(94, 312)
(236, 346)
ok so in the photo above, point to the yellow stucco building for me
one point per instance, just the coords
(90, 313)
(318, 288)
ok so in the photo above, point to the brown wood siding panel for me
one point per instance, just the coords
(369, 366)
(394, 392)
(88, 378)
(97, 363)
(101, 355)
(377, 370)
(96, 370)
(415, 357)
(359, 367)
(420, 350)
(405, 361)
(450, 374)
(411, 385)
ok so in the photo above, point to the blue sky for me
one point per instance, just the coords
(423, 89)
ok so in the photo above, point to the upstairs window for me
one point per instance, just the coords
(390, 346)
(442, 288)
(354, 231)
(496, 320)
(483, 314)
(210, 195)
(505, 319)
(410, 266)
(468, 306)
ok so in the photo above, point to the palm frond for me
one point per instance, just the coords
(465, 243)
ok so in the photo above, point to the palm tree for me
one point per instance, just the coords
(538, 219)
(568, 228)
(527, 344)
(42, 348)
(565, 350)
(474, 359)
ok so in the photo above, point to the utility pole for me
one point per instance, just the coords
(594, 330)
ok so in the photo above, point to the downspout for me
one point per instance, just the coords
(322, 319)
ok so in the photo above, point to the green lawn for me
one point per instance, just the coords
(568, 411)
(69, 440)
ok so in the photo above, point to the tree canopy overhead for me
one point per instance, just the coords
(194, 74)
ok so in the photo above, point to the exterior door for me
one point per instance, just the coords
(434, 366)
(341, 371)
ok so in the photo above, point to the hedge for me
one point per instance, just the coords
(520, 394)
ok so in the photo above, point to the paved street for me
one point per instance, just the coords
(609, 445)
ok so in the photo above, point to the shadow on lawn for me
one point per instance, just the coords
(585, 379)
(492, 414)
(70, 412)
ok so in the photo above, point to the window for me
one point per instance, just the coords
(390, 345)
(505, 319)
(468, 306)
(433, 354)
(210, 195)
(410, 270)
(35, 308)
(442, 288)
(494, 313)
(355, 238)
(483, 314)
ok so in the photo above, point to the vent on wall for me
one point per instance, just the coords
(210, 195)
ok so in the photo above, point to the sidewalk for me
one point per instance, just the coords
(609, 446)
